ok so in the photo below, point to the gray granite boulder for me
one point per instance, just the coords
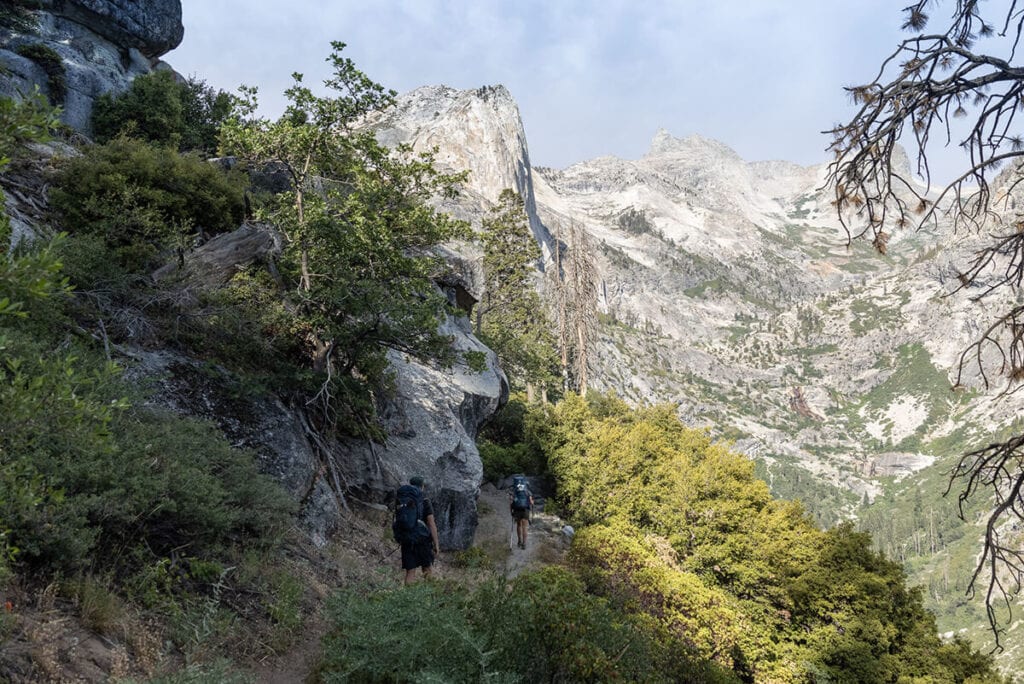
(432, 422)
(151, 26)
(103, 46)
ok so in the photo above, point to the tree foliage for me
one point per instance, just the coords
(145, 200)
(674, 526)
(358, 259)
(159, 109)
(510, 317)
(963, 71)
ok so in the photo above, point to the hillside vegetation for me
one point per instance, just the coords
(156, 533)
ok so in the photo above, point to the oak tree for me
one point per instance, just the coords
(358, 258)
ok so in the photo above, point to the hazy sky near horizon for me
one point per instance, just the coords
(591, 77)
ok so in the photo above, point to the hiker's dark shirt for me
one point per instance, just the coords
(419, 555)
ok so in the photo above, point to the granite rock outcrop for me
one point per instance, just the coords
(102, 46)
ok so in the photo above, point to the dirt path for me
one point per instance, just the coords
(495, 535)
(546, 544)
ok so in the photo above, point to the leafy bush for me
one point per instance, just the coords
(622, 563)
(145, 200)
(676, 528)
(418, 633)
(159, 109)
(544, 626)
(473, 557)
(511, 441)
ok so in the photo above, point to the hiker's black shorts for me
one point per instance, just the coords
(417, 555)
(521, 513)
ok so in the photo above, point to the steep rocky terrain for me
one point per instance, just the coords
(729, 288)
(431, 419)
(725, 286)
(101, 44)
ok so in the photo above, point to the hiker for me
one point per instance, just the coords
(414, 528)
(521, 504)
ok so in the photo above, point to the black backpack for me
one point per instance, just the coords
(408, 526)
(520, 493)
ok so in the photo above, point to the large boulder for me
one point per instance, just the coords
(102, 46)
(151, 26)
(431, 422)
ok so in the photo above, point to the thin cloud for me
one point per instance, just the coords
(590, 78)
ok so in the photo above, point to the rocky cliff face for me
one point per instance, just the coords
(102, 44)
(740, 291)
(430, 420)
(736, 292)
(479, 131)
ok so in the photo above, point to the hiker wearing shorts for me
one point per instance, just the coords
(421, 554)
(520, 505)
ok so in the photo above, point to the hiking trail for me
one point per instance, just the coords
(546, 544)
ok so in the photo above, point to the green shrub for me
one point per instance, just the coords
(510, 442)
(544, 626)
(500, 461)
(159, 109)
(674, 528)
(52, 64)
(618, 562)
(145, 201)
(417, 633)
(85, 478)
(547, 628)
(473, 557)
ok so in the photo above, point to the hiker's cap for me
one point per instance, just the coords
(416, 481)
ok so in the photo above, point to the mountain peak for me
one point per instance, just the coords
(665, 144)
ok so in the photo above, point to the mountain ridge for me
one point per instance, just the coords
(740, 298)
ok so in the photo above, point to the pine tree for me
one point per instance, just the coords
(510, 317)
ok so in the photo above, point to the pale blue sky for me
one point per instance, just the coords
(591, 77)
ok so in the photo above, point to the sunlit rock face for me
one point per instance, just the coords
(432, 419)
(103, 45)
(738, 296)
(479, 131)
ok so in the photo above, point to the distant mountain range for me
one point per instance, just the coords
(729, 288)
